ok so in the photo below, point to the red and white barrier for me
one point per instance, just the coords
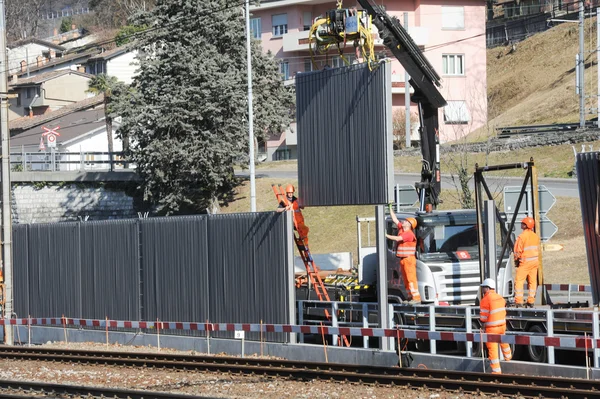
(568, 287)
(521, 339)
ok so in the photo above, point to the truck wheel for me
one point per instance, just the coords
(538, 354)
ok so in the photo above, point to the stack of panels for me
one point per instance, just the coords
(587, 176)
(344, 136)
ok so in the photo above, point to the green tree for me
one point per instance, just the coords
(66, 24)
(108, 86)
(187, 112)
(126, 33)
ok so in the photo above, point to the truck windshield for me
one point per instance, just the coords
(451, 241)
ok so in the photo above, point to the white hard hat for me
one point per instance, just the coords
(488, 282)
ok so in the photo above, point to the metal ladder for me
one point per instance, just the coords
(312, 270)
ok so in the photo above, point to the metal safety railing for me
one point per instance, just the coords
(428, 322)
(53, 161)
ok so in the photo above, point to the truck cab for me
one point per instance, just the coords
(447, 259)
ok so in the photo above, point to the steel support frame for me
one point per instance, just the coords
(481, 186)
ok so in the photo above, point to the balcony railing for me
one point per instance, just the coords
(67, 161)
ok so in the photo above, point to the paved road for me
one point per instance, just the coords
(558, 187)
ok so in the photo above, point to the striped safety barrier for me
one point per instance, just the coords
(521, 339)
(568, 287)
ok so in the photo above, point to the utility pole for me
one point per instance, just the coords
(581, 66)
(6, 215)
(598, 63)
(407, 94)
(250, 110)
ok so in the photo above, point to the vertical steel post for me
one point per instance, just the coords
(596, 335)
(250, 111)
(535, 195)
(334, 320)
(382, 298)
(550, 333)
(581, 65)
(432, 342)
(469, 321)
(301, 318)
(490, 235)
(291, 283)
(365, 323)
(6, 214)
(598, 64)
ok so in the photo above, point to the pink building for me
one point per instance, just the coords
(451, 34)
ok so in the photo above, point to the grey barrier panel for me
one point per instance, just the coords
(343, 121)
(20, 270)
(110, 272)
(587, 176)
(174, 260)
(248, 270)
(54, 270)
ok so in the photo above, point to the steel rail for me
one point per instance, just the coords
(505, 384)
(26, 389)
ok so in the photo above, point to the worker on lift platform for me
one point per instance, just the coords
(406, 250)
(526, 251)
(294, 206)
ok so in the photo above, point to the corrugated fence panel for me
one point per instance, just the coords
(20, 270)
(344, 119)
(110, 272)
(54, 273)
(587, 176)
(174, 268)
(247, 285)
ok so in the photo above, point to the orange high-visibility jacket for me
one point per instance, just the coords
(492, 310)
(527, 247)
(408, 246)
(298, 217)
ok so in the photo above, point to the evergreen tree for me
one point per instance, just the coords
(186, 114)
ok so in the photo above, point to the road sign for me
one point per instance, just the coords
(50, 135)
(547, 227)
(51, 140)
(405, 195)
(511, 196)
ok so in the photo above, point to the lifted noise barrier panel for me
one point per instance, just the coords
(344, 119)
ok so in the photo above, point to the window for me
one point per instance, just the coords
(306, 20)
(338, 62)
(456, 113)
(255, 27)
(453, 17)
(284, 68)
(308, 65)
(32, 91)
(279, 23)
(453, 64)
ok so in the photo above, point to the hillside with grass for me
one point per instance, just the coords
(534, 81)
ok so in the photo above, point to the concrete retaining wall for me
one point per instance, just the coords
(49, 203)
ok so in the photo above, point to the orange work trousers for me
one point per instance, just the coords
(303, 233)
(527, 271)
(492, 348)
(408, 267)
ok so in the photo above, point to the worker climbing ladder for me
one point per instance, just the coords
(312, 270)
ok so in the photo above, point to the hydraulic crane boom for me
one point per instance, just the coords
(425, 81)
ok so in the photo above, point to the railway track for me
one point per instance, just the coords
(468, 382)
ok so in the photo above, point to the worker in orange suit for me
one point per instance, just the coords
(406, 250)
(492, 314)
(294, 206)
(526, 252)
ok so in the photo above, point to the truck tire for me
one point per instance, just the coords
(538, 354)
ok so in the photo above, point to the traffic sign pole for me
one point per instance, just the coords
(538, 228)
